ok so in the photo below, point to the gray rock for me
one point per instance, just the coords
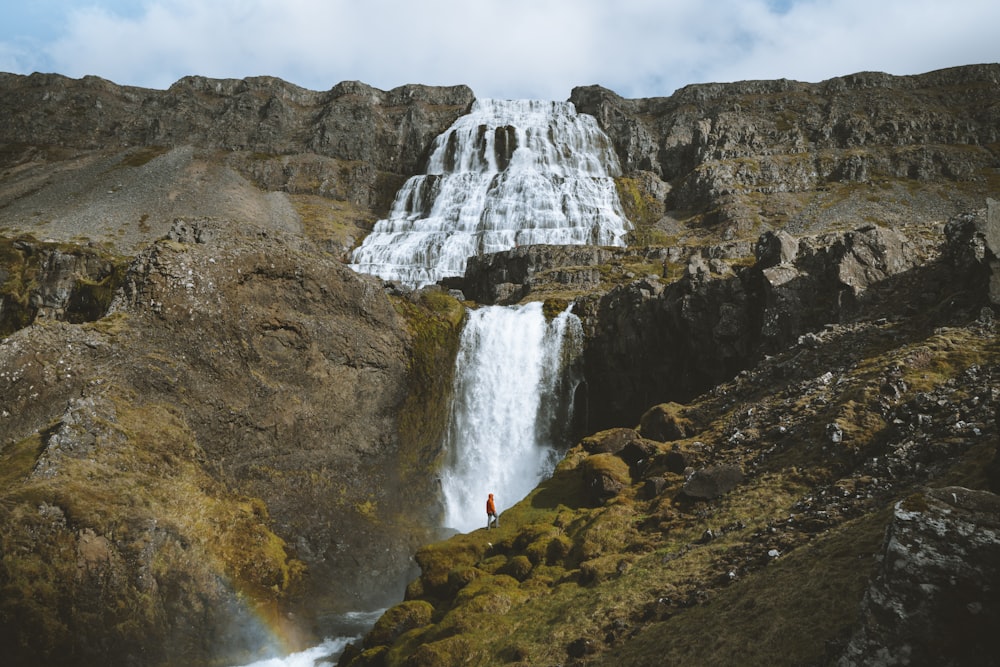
(712, 482)
(775, 248)
(935, 599)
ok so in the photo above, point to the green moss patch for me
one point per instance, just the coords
(120, 529)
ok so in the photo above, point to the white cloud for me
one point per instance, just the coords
(515, 48)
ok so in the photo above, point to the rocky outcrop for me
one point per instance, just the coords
(973, 249)
(936, 597)
(248, 413)
(390, 131)
(725, 144)
(701, 123)
(508, 277)
(652, 342)
(70, 283)
(712, 482)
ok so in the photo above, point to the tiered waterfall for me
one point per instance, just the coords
(509, 173)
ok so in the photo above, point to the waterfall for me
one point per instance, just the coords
(509, 173)
(512, 409)
(514, 172)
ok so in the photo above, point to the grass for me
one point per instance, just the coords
(331, 221)
(791, 608)
(131, 480)
(640, 580)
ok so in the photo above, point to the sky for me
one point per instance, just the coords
(500, 48)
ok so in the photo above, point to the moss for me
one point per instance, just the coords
(90, 299)
(791, 609)
(434, 322)
(398, 620)
(332, 222)
(558, 549)
(603, 568)
(640, 206)
(17, 460)
(553, 308)
(135, 486)
(19, 269)
(518, 567)
(437, 561)
(666, 422)
(444, 653)
(461, 577)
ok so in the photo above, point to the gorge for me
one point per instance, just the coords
(218, 438)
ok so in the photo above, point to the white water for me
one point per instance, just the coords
(509, 173)
(353, 624)
(512, 401)
(322, 655)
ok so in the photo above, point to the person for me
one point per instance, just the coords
(492, 521)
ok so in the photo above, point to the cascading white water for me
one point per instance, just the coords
(509, 173)
(514, 385)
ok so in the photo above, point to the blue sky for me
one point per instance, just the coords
(501, 48)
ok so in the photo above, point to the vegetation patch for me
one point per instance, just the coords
(434, 320)
(333, 224)
(643, 209)
(109, 521)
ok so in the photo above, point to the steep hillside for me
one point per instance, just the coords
(831, 505)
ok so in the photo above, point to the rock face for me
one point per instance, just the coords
(117, 164)
(936, 597)
(71, 283)
(722, 143)
(507, 277)
(237, 414)
(974, 248)
(653, 342)
(388, 131)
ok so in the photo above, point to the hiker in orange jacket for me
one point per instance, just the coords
(492, 521)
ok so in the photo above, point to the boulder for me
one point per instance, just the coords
(935, 599)
(712, 482)
(611, 441)
(775, 248)
(604, 477)
(665, 423)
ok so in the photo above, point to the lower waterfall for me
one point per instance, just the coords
(512, 409)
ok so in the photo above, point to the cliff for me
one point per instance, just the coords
(740, 158)
(214, 435)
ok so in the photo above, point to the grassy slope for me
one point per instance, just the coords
(637, 581)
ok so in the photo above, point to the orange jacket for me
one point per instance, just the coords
(490, 507)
